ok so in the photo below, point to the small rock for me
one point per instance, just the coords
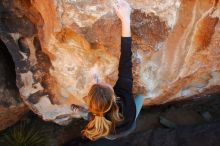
(167, 123)
(207, 116)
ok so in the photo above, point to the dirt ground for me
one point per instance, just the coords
(195, 122)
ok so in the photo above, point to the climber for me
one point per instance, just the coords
(112, 111)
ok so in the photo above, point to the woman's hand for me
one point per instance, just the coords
(83, 112)
(123, 11)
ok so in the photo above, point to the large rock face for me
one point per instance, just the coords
(58, 46)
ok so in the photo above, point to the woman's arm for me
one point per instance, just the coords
(123, 11)
(125, 63)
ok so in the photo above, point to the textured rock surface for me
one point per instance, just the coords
(11, 106)
(59, 46)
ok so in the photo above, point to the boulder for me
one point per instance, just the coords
(58, 46)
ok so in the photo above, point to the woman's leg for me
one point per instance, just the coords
(139, 100)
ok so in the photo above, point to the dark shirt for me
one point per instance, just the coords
(122, 89)
(123, 86)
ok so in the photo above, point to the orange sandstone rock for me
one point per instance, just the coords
(59, 46)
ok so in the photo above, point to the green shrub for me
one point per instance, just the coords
(23, 134)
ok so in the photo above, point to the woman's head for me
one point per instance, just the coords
(100, 100)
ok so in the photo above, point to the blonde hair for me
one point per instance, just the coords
(100, 100)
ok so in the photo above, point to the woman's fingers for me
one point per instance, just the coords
(117, 8)
(75, 108)
(120, 4)
(115, 4)
(122, 9)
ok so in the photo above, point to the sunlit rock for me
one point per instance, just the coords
(60, 46)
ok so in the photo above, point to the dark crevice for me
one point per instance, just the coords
(9, 93)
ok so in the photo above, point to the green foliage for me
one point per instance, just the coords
(23, 134)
